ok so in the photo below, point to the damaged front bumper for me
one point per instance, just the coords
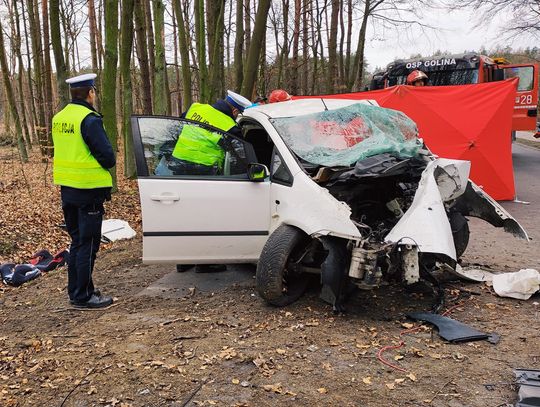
(424, 231)
(445, 188)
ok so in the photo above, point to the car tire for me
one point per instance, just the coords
(277, 284)
(460, 232)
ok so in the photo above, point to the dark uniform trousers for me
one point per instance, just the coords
(83, 223)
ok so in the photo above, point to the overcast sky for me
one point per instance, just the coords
(455, 33)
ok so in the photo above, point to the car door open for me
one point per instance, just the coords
(198, 213)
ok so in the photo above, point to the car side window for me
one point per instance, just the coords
(177, 147)
(279, 172)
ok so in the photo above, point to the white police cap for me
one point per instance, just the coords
(238, 101)
(86, 79)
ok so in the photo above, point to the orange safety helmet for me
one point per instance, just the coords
(416, 75)
(279, 95)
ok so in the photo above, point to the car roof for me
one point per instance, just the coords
(300, 107)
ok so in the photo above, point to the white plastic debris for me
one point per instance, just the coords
(116, 229)
(520, 285)
(473, 274)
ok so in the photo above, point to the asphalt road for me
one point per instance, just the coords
(527, 174)
(492, 246)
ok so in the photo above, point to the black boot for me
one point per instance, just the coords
(95, 301)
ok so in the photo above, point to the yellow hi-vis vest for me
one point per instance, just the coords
(74, 165)
(198, 145)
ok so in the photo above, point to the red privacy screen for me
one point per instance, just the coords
(466, 122)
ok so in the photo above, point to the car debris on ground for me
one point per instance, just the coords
(520, 285)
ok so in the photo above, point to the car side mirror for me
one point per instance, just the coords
(257, 172)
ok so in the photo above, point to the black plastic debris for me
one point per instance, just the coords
(494, 338)
(529, 387)
(450, 329)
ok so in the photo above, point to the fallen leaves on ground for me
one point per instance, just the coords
(31, 209)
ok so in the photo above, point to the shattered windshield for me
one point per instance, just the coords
(341, 137)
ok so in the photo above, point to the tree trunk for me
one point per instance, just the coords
(247, 28)
(191, 44)
(56, 39)
(127, 101)
(296, 41)
(314, 47)
(284, 56)
(215, 14)
(230, 72)
(93, 48)
(305, 46)
(11, 98)
(17, 51)
(348, 43)
(142, 55)
(260, 83)
(99, 38)
(358, 64)
(32, 107)
(161, 93)
(150, 44)
(239, 45)
(332, 51)
(184, 54)
(35, 36)
(252, 62)
(47, 72)
(200, 40)
(109, 75)
(320, 73)
(341, 53)
(178, 95)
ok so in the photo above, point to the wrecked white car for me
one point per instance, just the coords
(333, 187)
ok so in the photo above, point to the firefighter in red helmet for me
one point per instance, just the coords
(417, 78)
(279, 95)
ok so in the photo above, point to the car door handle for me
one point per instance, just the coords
(165, 198)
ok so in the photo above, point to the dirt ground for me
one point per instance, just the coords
(227, 348)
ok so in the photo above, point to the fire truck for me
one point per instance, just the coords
(470, 68)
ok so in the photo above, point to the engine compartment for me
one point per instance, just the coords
(378, 189)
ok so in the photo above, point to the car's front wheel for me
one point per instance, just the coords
(279, 280)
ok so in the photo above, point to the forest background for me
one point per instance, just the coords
(157, 56)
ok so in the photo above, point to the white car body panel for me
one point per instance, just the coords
(210, 222)
(425, 224)
(311, 209)
(455, 183)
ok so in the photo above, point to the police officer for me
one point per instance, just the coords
(199, 151)
(82, 157)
